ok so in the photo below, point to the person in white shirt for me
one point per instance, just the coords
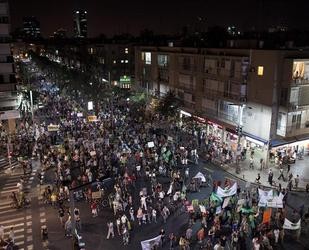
(143, 202)
(276, 234)
(110, 226)
(154, 215)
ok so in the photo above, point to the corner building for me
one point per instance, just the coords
(265, 93)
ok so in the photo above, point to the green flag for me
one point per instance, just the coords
(246, 210)
(215, 198)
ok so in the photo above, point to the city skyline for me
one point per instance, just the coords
(162, 17)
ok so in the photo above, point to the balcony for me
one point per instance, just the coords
(220, 94)
(297, 129)
(299, 82)
(187, 87)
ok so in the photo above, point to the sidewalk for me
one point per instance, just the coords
(300, 167)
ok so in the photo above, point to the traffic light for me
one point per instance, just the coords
(238, 129)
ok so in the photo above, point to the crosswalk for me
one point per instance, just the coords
(20, 220)
(6, 167)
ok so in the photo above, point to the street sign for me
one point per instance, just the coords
(52, 128)
(92, 118)
(125, 79)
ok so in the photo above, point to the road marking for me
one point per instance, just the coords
(5, 206)
(209, 170)
(8, 191)
(16, 230)
(11, 220)
(7, 188)
(19, 236)
(20, 243)
(14, 225)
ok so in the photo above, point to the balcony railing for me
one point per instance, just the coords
(227, 95)
(300, 81)
(297, 129)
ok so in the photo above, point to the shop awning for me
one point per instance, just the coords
(255, 137)
(280, 142)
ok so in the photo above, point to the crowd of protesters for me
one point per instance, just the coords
(148, 166)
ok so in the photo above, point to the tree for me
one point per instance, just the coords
(168, 105)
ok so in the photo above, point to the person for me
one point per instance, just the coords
(110, 227)
(251, 163)
(162, 234)
(281, 173)
(182, 243)
(218, 246)
(165, 213)
(94, 209)
(118, 225)
(68, 227)
(288, 169)
(189, 234)
(296, 180)
(61, 216)
(173, 240)
(44, 233)
(307, 187)
(270, 177)
(276, 234)
(154, 215)
(258, 178)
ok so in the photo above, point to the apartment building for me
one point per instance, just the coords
(265, 93)
(9, 100)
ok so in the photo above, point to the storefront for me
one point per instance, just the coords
(291, 148)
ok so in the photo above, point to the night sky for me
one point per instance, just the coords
(163, 16)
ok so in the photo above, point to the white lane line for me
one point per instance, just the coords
(5, 202)
(8, 211)
(5, 207)
(12, 220)
(19, 243)
(8, 188)
(209, 170)
(14, 225)
(9, 191)
(16, 230)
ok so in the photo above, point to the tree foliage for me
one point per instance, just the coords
(168, 105)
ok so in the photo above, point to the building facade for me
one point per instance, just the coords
(31, 28)
(264, 94)
(9, 100)
(109, 61)
(80, 24)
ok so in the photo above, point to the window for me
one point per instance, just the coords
(114, 62)
(126, 61)
(260, 71)
(122, 61)
(148, 57)
(162, 60)
(126, 51)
